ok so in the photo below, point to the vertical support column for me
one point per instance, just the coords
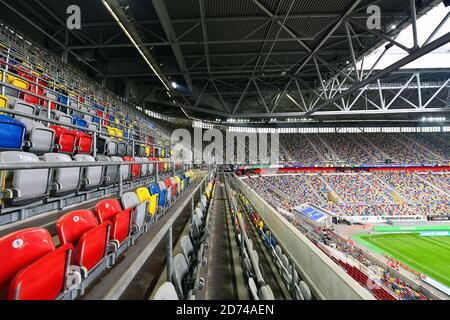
(65, 57)
(94, 144)
(120, 181)
(157, 172)
(412, 6)
(169, 253)
(192, 208)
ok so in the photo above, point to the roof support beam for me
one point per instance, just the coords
(397, 65)
(164, 17)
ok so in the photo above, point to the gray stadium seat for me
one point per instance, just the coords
(91, 176)
(131, 200)
(27, 186)
(125, 169)
(266, 293)
(180, 272)
(129, 148)
(199, 213)
(64, 180)
(121, 148)
(144, 167)
(253, 289)
(151, 168)
(40, 138)
(186, 247)
(109, 172)
(306, 292)
(166, 292)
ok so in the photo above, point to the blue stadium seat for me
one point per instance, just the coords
(154, 189)
(12, 133)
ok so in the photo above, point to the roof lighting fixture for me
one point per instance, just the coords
(174, 85)
(133, 42)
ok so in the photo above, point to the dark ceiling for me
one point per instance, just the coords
(229, 57)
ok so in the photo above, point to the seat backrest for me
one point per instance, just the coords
(253, 289)
(12, 133)
(186, 246)
(93, 174)
(143, 194)
(166, 292)
(180, 271)
(154, 189)
(92, 246)
(199, 212)
(19, 249)
(50, 269)
(71, 226)
(68, 178)
(105, 210)
(30, 183)
(24, 107)
(130, 200)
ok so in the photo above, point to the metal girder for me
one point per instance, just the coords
(408, 59)
(205, 35)
(164, 17)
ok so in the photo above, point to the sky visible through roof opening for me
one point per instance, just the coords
(440, 58)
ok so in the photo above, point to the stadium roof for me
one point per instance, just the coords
(255, 59)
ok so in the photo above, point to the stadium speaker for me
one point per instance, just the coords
(446, 3)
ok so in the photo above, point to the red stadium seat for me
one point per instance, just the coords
(169, 184)
(65, 139)
(111, 210)
(89, 239)
(18, 250)
(83, 142)
(43, 279)
(135, 170)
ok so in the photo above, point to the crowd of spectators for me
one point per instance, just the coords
(385, 193)
(365, 148)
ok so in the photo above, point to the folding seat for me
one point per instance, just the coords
(121, 148)
(22, 187)
(166, 292)
(166, 191)
(12, 133)
(186, 247)
(129, 149)
(65, 137)
(111, 210)
(17, 82)
(179, 182)
(180, 275)
(171, 187)
(27, 255)
(80, 122)
(144, 195)
(151, 167)
(106, 145)
(3, 101)
(90, 239)
(176, 187)
(110, 173)
(63, 180)
(133, 169)
(125, 169)
(91, 177)
(145, 167)
(253, 289)
(39, 138)
(130, 200)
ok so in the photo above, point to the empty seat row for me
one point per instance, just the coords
(38, 137)
(186, 263)
(22, 187)
(286, 268)
(32, 267)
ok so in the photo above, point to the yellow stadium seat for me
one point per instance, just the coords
(144, 195)
(178, 181)
(19, 83)
(148, 151)
(163, 153)
(3, 102)
(119, 133)
(117, 120)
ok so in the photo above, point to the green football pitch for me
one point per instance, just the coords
(429, 255)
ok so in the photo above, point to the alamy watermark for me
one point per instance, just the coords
(209, 146)
(73, 22)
